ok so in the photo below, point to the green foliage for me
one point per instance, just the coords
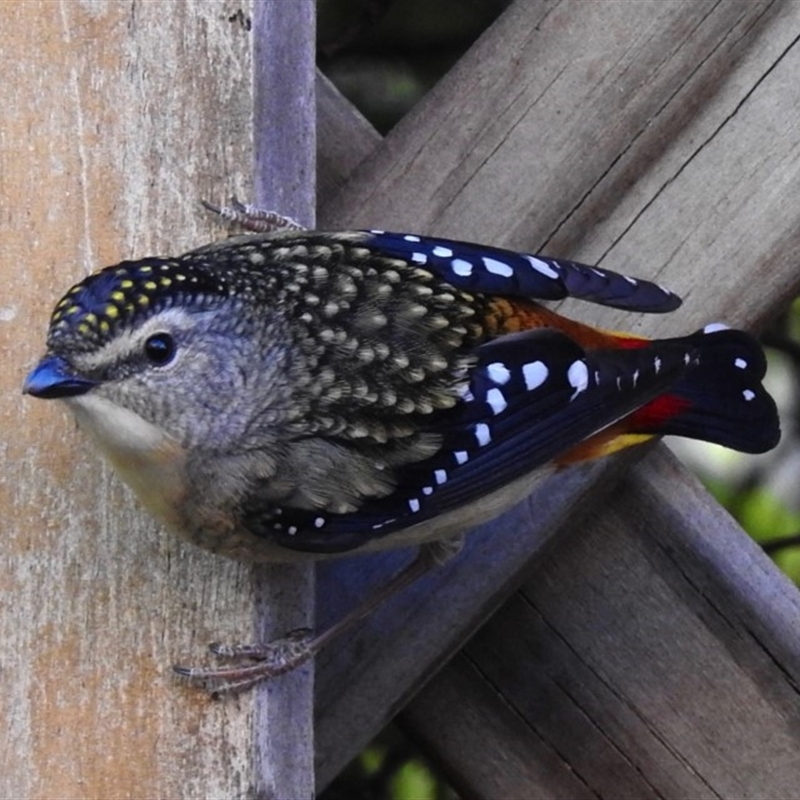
(768, 520)
(391, 768)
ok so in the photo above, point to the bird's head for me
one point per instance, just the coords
(167, 341)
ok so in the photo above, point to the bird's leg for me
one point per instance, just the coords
(252, 218)
(263, 661)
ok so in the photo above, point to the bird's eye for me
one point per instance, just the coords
(160, 348)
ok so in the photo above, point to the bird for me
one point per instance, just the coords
(294, 394)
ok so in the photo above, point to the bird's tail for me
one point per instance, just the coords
(719, 399)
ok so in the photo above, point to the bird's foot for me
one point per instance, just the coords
(257, 662)
(252, 218)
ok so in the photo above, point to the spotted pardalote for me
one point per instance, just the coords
(301, 394)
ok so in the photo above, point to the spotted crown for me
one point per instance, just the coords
(94, 309)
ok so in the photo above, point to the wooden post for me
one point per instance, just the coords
(118, 118)
(285, 178)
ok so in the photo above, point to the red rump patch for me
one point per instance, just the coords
(652, 416)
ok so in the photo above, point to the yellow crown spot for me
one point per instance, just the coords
(90, 319)
(179, 276)
(111, 311)
(83, 328)
(126, 284)
(146, 270)
(129, 308)
(165, 282)
(73, 310)
(104, 326)
(118, 297)
(151, 286)
(143, 300)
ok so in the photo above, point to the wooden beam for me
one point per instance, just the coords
(284, 120)
(118, 118)
(653, 652)
(639, 111)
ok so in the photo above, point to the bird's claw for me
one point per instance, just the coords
(259, 662)
(252, 218)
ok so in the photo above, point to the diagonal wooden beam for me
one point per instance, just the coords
(647, 112)
(653, 652)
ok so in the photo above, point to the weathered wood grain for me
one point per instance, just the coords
(284, 121)
(654, 649)
(117, 118)
(344, 138)
(717, 77)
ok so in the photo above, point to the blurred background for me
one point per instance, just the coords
(384, 55)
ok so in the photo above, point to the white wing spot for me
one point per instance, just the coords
(482, 434)
(427, 490)
(440, 475)
(657, 364)
(714, 327)
(635, 378)
(461, 267)
(444, 252)
(686, 358)
(740, 363)
(578, 377)
(409, 237)
(319, 522)
(377, 233)
(292, 530)
(413, 504)
(419, 258)
(748, 395)
(496, 400)
(461, 456)
(498, 373)
(535, 374)
(631, 281)
(497, 267)
(543, 267)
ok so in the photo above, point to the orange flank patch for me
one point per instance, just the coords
(504, 315)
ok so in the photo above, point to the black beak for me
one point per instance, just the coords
(52, 377)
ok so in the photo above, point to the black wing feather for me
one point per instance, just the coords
(532, 396)
(492, 270)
